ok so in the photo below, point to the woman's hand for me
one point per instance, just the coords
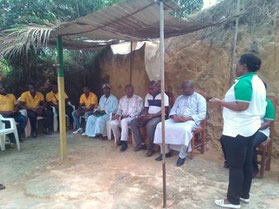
(215, 101)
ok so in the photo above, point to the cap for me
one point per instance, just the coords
(106, 85)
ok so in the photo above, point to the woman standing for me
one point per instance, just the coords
(243, 107)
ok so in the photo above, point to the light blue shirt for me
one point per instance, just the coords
(109, 104)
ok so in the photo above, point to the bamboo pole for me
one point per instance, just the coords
(61, 99)
(162, 70)
(235, 41)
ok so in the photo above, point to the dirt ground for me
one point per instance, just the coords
(97, 175)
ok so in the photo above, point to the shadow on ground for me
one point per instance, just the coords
(96, 175)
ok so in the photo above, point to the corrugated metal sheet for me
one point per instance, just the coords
(132, 20)
(82, 45)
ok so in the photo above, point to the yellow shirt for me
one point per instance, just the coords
(30, 101)
(92, 99)
(52, 97)
(7, 102)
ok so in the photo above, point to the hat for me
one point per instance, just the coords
(106, 85)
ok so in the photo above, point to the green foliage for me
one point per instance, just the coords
(4, 67)
(38, 68)
(23, 12)
(188, 7)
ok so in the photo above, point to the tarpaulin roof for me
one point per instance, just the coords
(131, 20)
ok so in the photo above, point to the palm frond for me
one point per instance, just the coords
(19, 40)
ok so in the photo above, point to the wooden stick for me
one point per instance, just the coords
(162, 70)
(235, 41)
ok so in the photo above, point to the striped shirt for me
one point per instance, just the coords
(154, 103)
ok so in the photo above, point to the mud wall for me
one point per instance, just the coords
(118, 69)
(205, 58)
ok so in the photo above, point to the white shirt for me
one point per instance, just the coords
(193, 105)
(130, 106)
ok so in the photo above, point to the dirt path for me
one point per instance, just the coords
(97, 175)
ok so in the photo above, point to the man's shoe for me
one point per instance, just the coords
(2, 187)
(123, 147)
(119, 143)
(222, 204)
(78, 131)
(138, 148)
(34, 134)
(84, 134)
(245, 200)
(99, 136)
(180, 161)
(226, 165)
(47, 132)
(255, 172)
(149, 153)
(160, 158)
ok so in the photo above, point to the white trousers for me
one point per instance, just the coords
(115, 126)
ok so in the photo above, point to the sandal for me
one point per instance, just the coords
(222, 204)
(2, 186)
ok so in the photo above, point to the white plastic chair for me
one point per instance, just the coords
(27, 130)
(4, 131)
(55, 118)
(107, 131)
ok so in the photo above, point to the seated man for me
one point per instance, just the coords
(96, 123)
(186, 114)
(34, 102)
(9, 109)
(52, 101)
(129, 107)
(150, 117)
(87, 103)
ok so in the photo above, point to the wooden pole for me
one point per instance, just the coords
(130, 67)
(235, 41)
(162, 72)
(61, 99)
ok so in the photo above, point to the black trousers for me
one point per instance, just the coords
(239, 155)
(150, 130)
(259, 138)
(47, 114)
